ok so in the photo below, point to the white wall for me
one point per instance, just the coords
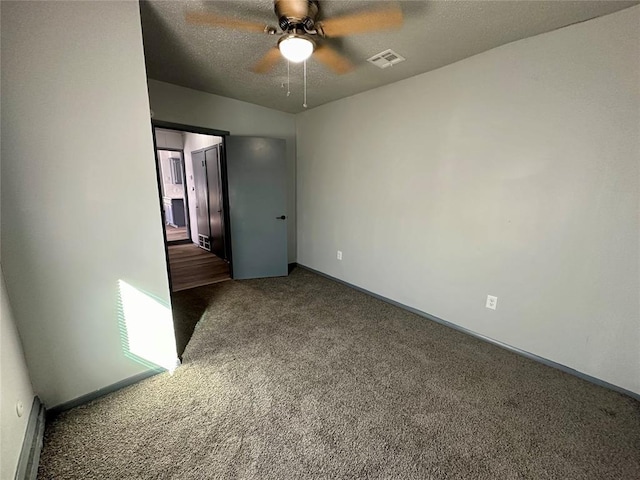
(175, 104)
(512, 173)
(168, 139)
(15, 387)
(79, 192)
(193, 142)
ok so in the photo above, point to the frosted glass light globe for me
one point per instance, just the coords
(296, 49)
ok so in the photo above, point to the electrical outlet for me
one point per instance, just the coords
(339, 256)
(492, 302)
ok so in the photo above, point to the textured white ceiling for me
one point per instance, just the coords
(434, 34)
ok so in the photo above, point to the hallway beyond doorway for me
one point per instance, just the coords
(190, 267)
(176, 233)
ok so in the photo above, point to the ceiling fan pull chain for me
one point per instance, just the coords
(288, 81)
(305, 85)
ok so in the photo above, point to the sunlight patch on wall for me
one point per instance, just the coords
(146, 328)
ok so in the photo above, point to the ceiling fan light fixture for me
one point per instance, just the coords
(296, 48)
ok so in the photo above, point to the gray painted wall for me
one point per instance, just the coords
(513, 173)
(15, 387)
(80, 204)
(172, 103)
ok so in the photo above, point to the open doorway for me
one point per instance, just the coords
(235, 204)
(190, 172)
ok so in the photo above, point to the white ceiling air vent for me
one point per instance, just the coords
(386, 59)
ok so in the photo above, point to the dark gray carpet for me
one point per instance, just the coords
(301, 377)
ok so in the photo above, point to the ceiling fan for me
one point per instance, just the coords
(302, 31)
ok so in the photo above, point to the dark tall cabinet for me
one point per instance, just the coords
(209, 203)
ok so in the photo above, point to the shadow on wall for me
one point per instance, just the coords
(146, 329)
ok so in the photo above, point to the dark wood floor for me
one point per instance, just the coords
(192, 267)
(175, 233)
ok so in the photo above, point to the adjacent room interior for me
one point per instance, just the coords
(174, 196)
(307, 239)
(193, 207)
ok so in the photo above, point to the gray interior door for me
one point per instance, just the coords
(256, 174)
(200, 181)
(214, 185)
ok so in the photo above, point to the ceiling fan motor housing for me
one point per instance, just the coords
(294, 14)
